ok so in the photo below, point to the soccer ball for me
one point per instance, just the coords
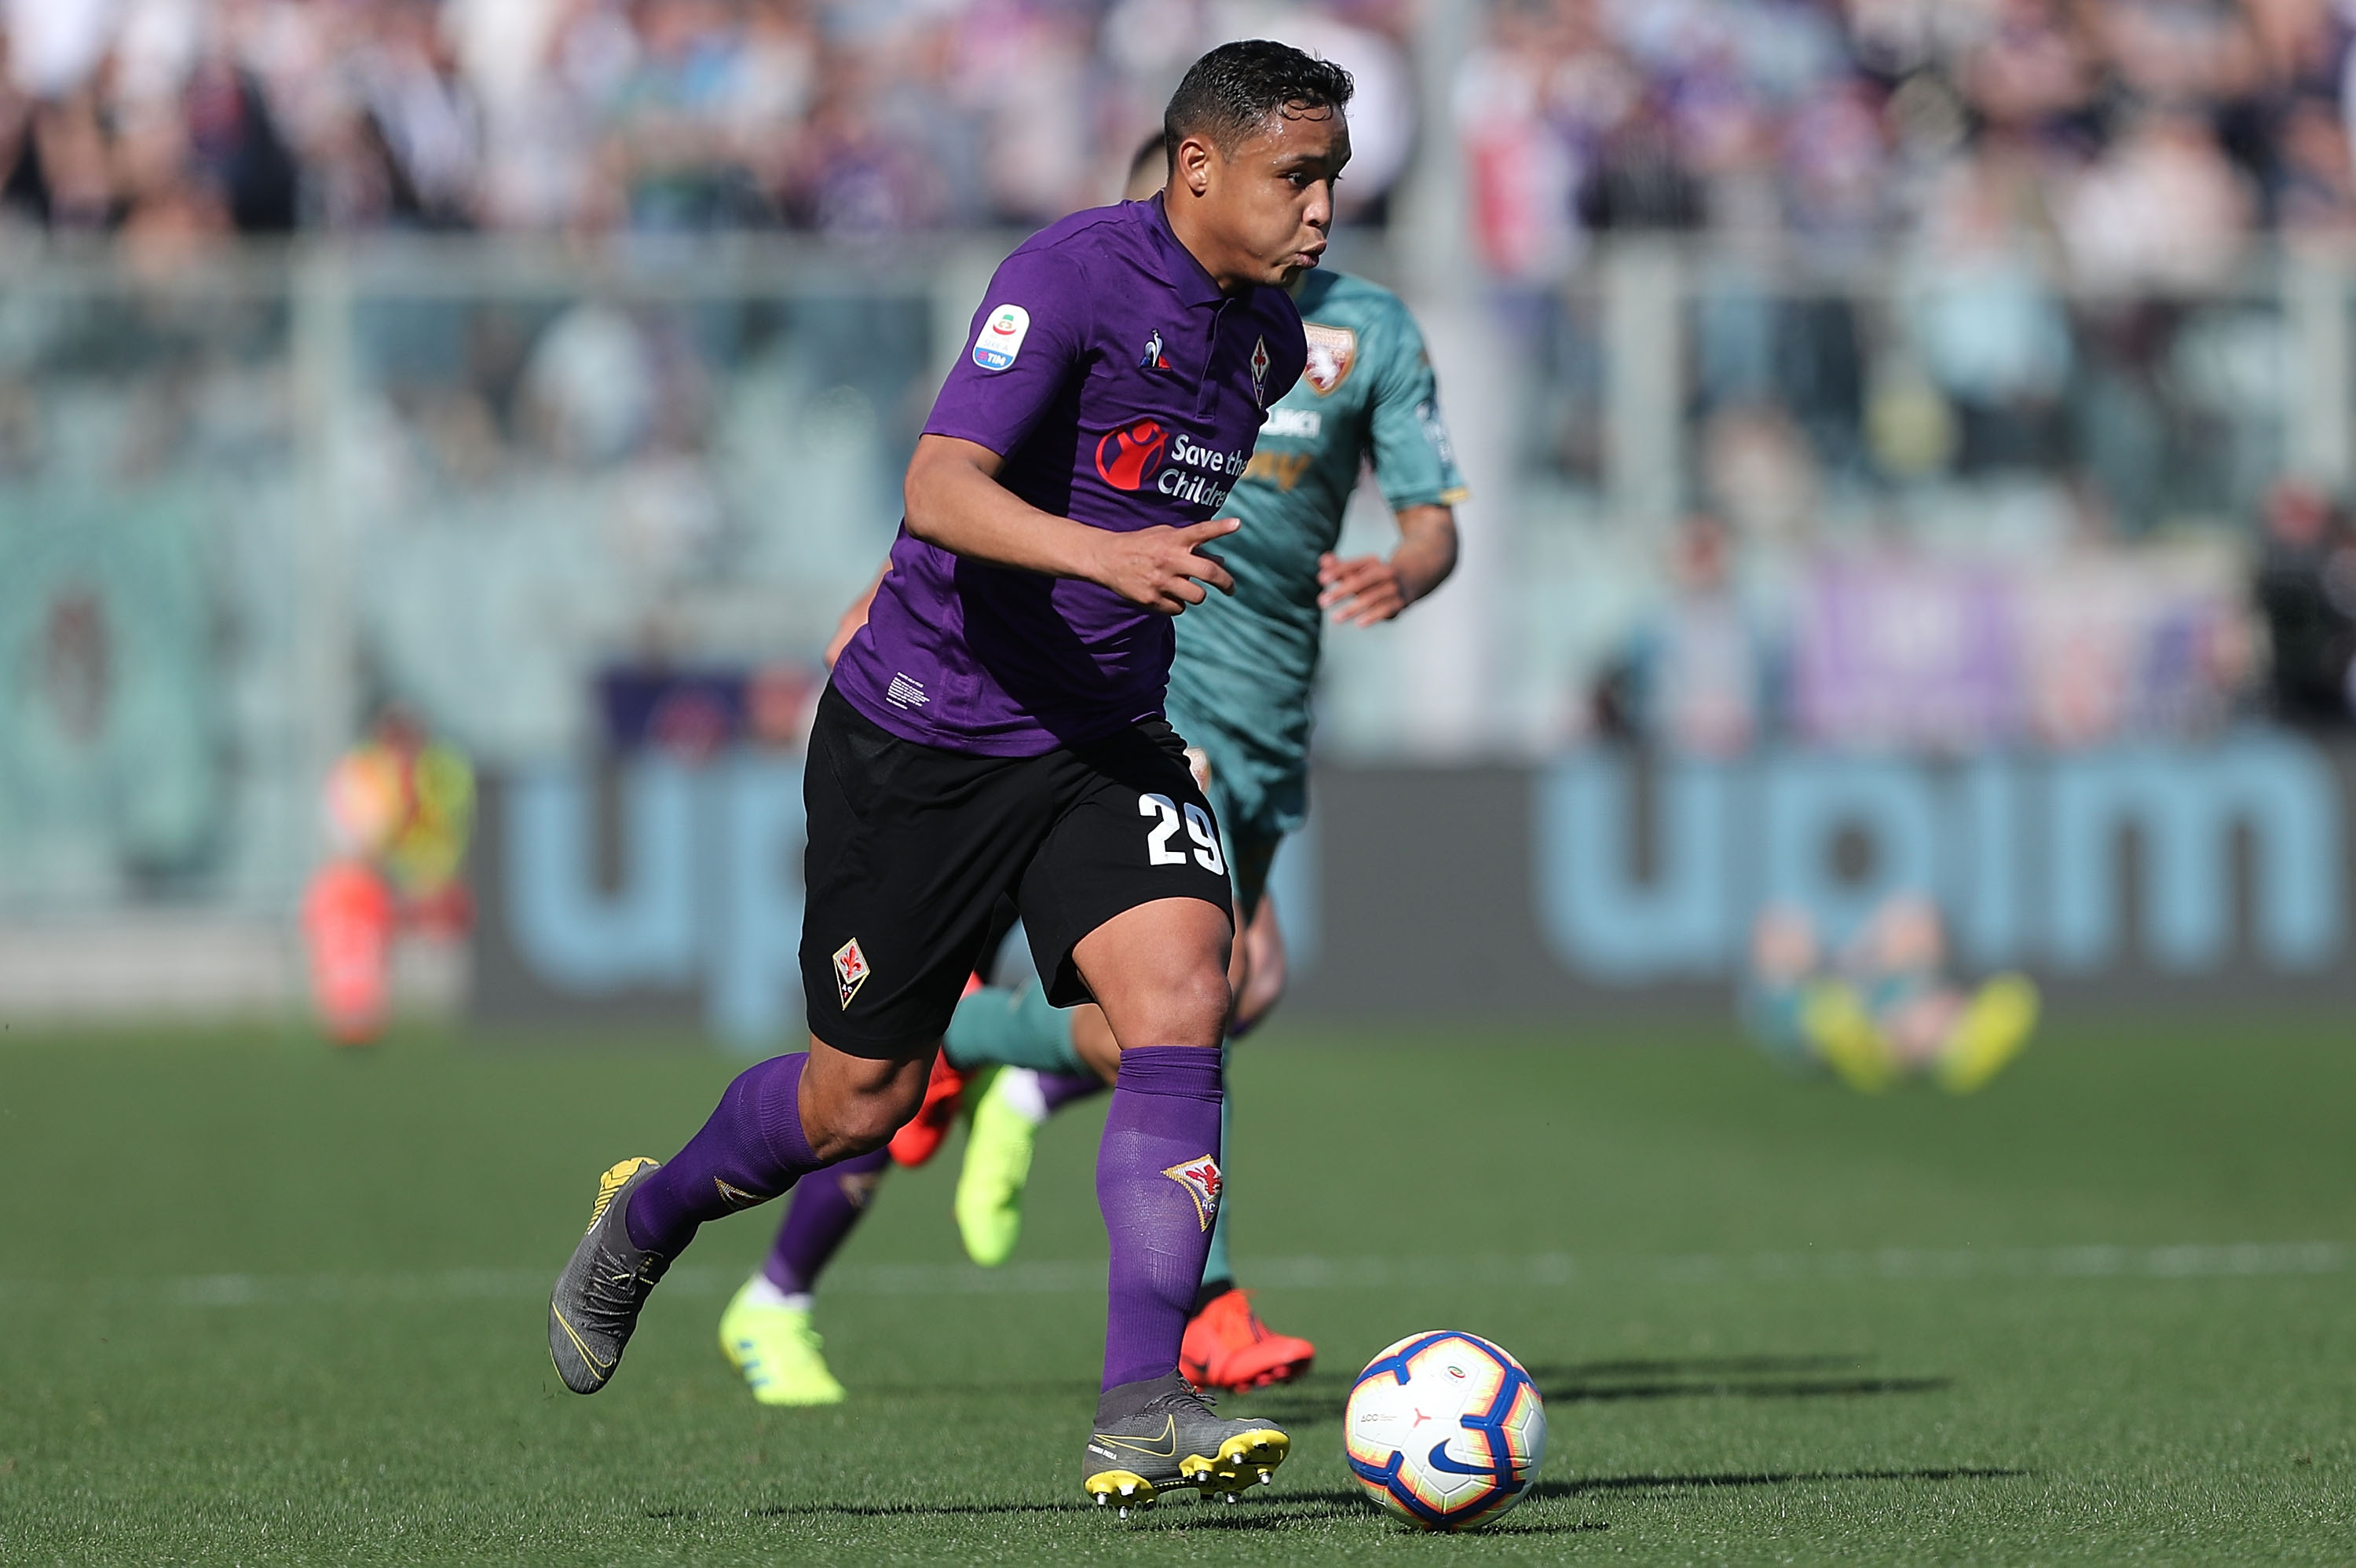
(1445, 1430)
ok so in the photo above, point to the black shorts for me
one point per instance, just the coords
(911, 846)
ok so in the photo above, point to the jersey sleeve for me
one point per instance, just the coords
(1026, 341)
(1414, 463)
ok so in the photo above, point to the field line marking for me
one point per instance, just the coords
(1541, 1270)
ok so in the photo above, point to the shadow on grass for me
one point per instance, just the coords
(1778, 1388)
(1703, 1366)
(1284, 1512)
(1585, 1485)
(1587, 1382)
(1283, 1509)
(1722, 1377)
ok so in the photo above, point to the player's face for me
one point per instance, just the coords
(1271, 201)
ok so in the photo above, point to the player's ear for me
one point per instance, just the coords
(1194, 171)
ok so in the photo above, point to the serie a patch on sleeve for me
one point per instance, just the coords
(1001, 338)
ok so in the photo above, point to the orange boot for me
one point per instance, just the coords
(922, 1136)
(1228, 1346)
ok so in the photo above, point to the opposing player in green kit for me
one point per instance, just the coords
(1240, 695)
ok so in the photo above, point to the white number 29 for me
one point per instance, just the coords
(1197, 822)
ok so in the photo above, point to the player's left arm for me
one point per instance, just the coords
(1416, 466)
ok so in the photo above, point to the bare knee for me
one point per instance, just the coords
(851, 1105)
(865, 1123)
(1160, 972)
(1187, 1009)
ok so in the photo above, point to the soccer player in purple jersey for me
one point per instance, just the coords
(996, 729)
(1238, 694)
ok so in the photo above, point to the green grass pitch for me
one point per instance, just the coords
(261, 1303)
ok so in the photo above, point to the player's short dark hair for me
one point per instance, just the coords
(1235, 90)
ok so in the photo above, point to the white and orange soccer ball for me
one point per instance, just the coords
(1445, 1430)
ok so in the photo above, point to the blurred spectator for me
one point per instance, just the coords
(1700, 675)
(2161, 206)
(1882, 1008)
(401, 811)
(2306, 592)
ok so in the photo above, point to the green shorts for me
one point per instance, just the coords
(1257, 798)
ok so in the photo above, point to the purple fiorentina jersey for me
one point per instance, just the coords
(1123, 390)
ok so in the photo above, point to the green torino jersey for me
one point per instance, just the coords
(1240, 686)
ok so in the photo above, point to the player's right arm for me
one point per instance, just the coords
(954, 501)
(1030, 338)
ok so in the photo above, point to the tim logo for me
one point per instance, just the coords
(1125, 456)
(1200, 1177)
(1001, 338)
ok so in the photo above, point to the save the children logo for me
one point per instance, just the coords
(1123, 456)
(1126, 457)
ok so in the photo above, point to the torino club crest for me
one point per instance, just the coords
(1332, 351)
(1200, 1177)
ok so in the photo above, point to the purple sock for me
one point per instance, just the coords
(1158, 1186)
(750, 1151)
(819, 1220)
(1060, 1089)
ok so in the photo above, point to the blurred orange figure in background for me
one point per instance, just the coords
(401, 809)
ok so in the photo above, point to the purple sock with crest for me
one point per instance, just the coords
(750, 1151)
(1158, 1187)
(821, 1219)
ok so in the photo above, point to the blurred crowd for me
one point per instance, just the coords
(849, 117)
(2141, 140)
(1951, 650)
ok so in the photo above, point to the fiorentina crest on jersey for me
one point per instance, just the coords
(850, 970)
(1332, 351)
(1200, 1177)
(1259, 363)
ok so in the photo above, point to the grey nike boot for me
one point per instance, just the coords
(596, 1300)
(1159, 1433)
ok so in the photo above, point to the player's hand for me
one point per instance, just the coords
(854, 618)
(844, 630)
(1362, 591)
(1165, 568)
